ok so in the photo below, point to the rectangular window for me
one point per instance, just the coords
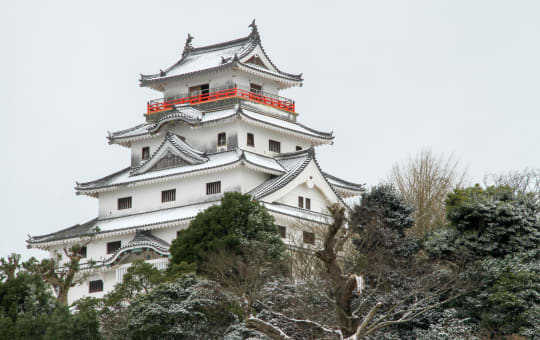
(222, 139)
(274, 146)
(255, 88)
(124, 203)
(168, 195)
(145, 153)
(82, 252)
(95, 286)
(308, 203)
(250, 139)
(300, 201)
(200, 90)
(309, 238)
(298, 148)
(113, 246)
(213, 188)
(282, 231)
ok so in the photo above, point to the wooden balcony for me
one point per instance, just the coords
(285, 104)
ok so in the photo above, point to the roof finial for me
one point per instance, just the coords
(254, 31)
(188, 47)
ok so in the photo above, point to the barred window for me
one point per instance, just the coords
(309, 238)
(222, 139)
(213, 188)
(274, 146)
(282, 231)
(254, 87)
(308, 203)
(250, 139)
(124, 203)
(300, 201)
(145, 153)
(113, 246)
(95, 286)
(168, 195)
(82, 252)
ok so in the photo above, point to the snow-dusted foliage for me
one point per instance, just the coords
(448, 327)
(188, 308)
(492, 222)
(242, 332)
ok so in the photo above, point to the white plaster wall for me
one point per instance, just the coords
(82, 290)
(319, 202)
(263, 135)
(205, 138)
(189, 190)
(219, 79)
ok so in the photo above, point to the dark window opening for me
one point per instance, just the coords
(124, 203)
(298, 148)
(168, 195)
(113, 246)
(145, 153)
(274, 146)
(250, 139)
(308, 203)
(95, 286)
(222, 139)
(255, 88)
(213, 188)
(200, 90)
(282, 231)
(309, 238)
(300, 201)
(82, 252)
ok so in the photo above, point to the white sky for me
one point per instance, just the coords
(388, 77)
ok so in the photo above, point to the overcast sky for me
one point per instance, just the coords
(388, 77)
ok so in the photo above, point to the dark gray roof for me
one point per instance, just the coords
(77, 230)
(341, 183)
(216, 57)
(241, 111)
(294, 163)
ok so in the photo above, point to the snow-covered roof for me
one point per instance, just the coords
(172, 144)
(217, 57)
(256, 115)
(344, 187)
(143, 239)
(142, 221)
(216, 160)
(297, 213)
(294, 163)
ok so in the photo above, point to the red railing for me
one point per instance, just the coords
(158, 105)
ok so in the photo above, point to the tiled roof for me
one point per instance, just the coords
(77, 230)
(216, 57)
(179, 147)
(216, 160)
(146, 220)
(142, 239)
(293, 163)
(341, 183)
(246, 112)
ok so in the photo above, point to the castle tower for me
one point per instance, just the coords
(219, 126)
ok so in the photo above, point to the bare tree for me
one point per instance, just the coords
(424, 181)
(62, 276)
(344, 288)
(9, 268)
(524, 182)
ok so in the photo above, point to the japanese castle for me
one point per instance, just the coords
(220, 126)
